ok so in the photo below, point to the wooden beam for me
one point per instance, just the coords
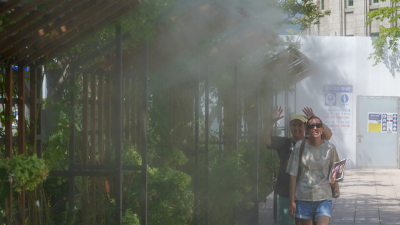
(24, 9)
(72, 24)
(8, 130)
(59, 27)
(21, 136)
(9, 5)
(37, 25)
(61, 45)
(31, 17)
(58, 23)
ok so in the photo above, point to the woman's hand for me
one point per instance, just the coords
(333, 180)
(292, 208)
(276, 115)
(308, 112)
(335, 185)
(337, 192)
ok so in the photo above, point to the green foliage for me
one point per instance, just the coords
(170, 199)
(130, 218)
(4, 185)
(303, 13)
(388, 36)
(25, 171)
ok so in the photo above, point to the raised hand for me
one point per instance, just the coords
(276, 115)
(308, 112)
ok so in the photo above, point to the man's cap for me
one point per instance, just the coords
(298, 117)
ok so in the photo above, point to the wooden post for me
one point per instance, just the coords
(133, 108)
(85, 157)
(118, 126)
(138, 115)
(127, 109)
(39, 82)
(71, 181)
(143, 200)
(21, 136)
(107, 118)
(93, 145)
(100, 108)
(8, 131)
(101, 137)
(33, 108)
(32, 132)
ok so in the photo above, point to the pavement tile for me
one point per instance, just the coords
(367, 220)
(344, 218)
(368, 196)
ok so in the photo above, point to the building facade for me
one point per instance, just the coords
(348, 18)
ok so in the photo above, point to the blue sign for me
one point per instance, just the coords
(345, 98)
(330, 99)
(374, 116)
(338, 88)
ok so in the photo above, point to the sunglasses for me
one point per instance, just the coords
(311, 126)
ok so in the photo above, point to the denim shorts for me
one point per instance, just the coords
(308, 209)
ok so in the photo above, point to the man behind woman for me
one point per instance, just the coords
(284, 146)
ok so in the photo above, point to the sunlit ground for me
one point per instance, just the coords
(368, 196)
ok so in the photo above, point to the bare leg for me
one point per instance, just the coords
(323, 220)
(305, 222)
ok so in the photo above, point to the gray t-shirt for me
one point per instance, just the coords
(313, 183)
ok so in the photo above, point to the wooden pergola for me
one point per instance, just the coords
(41, 35)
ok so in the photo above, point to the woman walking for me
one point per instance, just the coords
(284, 146)
(310, 189)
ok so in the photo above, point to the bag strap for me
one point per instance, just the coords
(303, 143)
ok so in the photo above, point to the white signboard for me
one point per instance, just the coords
(338, 108)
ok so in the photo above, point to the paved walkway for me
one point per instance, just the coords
(368, 196)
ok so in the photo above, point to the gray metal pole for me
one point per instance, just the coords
(143, 127)
(196, 152)
(257, 149)
(219, 126)
(274, 103)
(287, 113)
(206, 133)
(118, 126)
(236, 107)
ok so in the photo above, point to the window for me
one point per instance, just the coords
(350, 3)
(374, 36)
(322, 6)
(375, 1)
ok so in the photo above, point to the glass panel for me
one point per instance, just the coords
(322, 4)
(375, 1)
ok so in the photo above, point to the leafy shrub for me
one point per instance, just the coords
(130, 218)
(26, 171)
